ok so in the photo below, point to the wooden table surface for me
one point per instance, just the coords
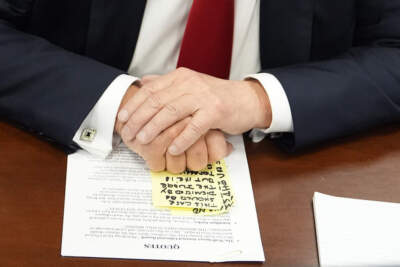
(32, 183)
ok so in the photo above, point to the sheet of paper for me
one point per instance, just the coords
(353, 232)
(205, 192)
(109, 213)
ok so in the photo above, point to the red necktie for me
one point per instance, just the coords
(207, 43)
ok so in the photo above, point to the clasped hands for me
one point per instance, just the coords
(176, 121)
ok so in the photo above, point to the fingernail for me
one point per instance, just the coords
(126, 134)
(173, 150)
(142, 137)
(123, 115)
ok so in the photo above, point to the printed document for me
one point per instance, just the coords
(109, 213)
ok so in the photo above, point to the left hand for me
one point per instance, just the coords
(231, 106)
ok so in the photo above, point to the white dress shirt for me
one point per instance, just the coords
(157, 52)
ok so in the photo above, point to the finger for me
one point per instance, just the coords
(172, 112)
(198, 125)
(149, 78)
(151, 106)
(154, 153)
(162, 82)
(154, 86)
(154, 157)
(156, 163)
(128, 108)
(176, 164)
(129, 94)
(164, 140)
(197, 156)
(217, 146)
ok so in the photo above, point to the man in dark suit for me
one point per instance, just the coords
(333, 66)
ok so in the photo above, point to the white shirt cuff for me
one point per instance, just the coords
(95, 134)
(282, 120)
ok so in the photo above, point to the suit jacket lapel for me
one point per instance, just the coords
(285, 31)
(113, 31)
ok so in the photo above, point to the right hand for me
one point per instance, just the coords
(209, 148)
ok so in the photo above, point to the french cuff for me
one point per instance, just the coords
(96, 133)
(282, 120)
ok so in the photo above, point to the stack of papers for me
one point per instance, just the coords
(352, 232)
(205, 192)
(109, 211)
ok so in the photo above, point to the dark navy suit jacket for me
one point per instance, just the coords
(338, 61)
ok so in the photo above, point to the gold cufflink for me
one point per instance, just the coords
(88, 134)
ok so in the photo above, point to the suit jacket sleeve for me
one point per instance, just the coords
(44, 88)
(352, 92)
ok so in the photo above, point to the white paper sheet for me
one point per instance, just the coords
(353, 232)
(108, 213)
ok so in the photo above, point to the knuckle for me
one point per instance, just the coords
(195, 128)
(147, 90)
(184, 74)
(173, 132)
(172, 170)
(176, 169)
(154, 101)
(186, 139)
(172, 110)
(195, 153)
(155, 163)
(218, 147)
(213, 155)
(132, 125)
(183, 139)
(197, 165)
(153, 87)
(151, 127)
(197, 158)
(182, 70)
(219, 106)
(125, 137)
(153, 151)
(217, 154)
(156, 149)
(156, 168)
(212, 159)
(194, 79)
(137, 148)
